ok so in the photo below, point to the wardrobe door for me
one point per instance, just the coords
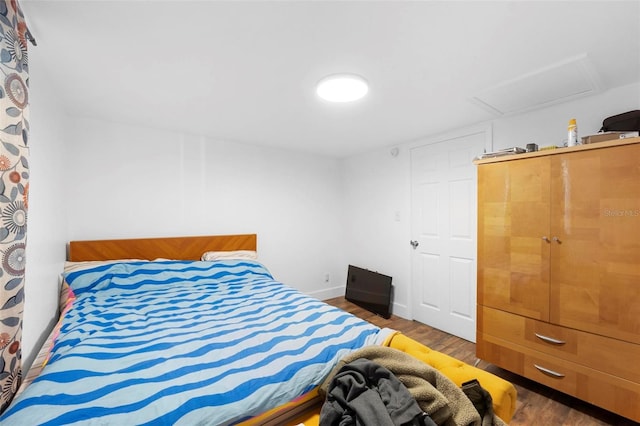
(513, 236)
(595, 257)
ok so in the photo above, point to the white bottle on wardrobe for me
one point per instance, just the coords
(572, 140)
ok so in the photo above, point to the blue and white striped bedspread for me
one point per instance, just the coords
(187, 343)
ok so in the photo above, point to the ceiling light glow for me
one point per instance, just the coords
(342, 88)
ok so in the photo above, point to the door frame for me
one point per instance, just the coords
(487, 129)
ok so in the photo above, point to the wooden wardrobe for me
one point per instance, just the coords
(559, 270)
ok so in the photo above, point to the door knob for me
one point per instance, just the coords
(414, 244)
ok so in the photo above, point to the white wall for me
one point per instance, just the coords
(47, 234)
(128, 181)
(376, 215)
(377, 185)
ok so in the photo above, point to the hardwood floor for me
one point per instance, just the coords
(536, 405)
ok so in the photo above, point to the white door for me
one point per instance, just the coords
(443, 229)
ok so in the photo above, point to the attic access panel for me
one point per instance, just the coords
(557, 83)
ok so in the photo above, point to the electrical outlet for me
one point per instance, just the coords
(327, 277)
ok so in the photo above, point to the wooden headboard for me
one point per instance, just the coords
(179, 248)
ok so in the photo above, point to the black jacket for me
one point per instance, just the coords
(365, 393)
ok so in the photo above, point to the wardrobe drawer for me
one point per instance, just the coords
(604, 390)
(605, 354)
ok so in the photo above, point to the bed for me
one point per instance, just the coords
(151, 334)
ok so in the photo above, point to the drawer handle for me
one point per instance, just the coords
(548, 372)
(550, 339)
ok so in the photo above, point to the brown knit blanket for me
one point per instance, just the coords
(436, 394)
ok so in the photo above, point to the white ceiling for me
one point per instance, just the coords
(245, 71)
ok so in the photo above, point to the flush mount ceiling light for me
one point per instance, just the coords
(342, 88)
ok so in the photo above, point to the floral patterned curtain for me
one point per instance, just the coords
(14, 190)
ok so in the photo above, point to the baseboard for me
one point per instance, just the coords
(396, 308)
(401, 311)
(328, 293)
